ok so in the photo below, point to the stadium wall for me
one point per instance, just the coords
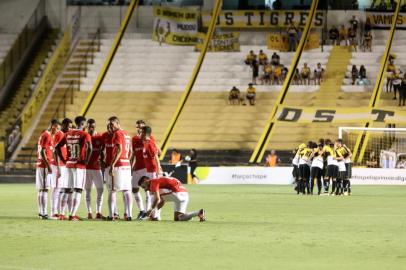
(15, 14)
(283, 176)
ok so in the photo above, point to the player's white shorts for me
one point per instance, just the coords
(121, 179)
(180, 200)
(76, 177)
(151, 175)
(63, 179)
(341, 166)
(55, 180)
(137, 176)
(94, 176)
(42, 178)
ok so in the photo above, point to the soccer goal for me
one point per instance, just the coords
(376, 147)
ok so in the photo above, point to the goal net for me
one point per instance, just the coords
(376, 147)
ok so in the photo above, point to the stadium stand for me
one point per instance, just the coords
(64, 98)
(337, 91)
(29, 78)
(142, 65)
(371, 60)
(142, 69)
(145, 75)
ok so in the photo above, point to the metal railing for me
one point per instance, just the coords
(69, 93)
(14, 55)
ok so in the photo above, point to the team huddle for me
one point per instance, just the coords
(323, 163)
(76, 157)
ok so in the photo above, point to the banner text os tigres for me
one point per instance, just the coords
(263, 19)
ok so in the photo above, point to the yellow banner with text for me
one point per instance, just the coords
(229, 42)
(280, 42)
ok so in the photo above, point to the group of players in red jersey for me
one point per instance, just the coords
(71, 159)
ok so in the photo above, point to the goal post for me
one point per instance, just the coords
(375, 147)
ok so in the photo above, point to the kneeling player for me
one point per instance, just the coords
(169, 189)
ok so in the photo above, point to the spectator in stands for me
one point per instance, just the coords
(382, 6)
(299, 35)
(277, 74)
(263, 58)
(277, 5)
(296, 77)
(305, 74)
(392, 4)
(397, 80)
(402, 91)
(362, 73)
(333, 35)
(234, 98)
(275, 59)
(175, 157)
(318, 74)
(352, 36)
(343, 35)
(251, 94)
(272, 159)
(390, 69)
(284, 73)
(292, 37)
(266, 78)
(354, 74)
(367, 25)
(250, 58)
(255, 71)
(367, 41)
(354, 23)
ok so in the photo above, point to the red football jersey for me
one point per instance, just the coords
(57, 138)
(108, 147)
(121, 137)
(45, 142)
(138, 146)
(75, 141)
(94, 161)
(168, 183)
(149, 152)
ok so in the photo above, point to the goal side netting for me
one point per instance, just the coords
(376, 147)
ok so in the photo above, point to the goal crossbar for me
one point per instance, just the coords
(341, 129)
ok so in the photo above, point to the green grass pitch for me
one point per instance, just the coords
(248, 227)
